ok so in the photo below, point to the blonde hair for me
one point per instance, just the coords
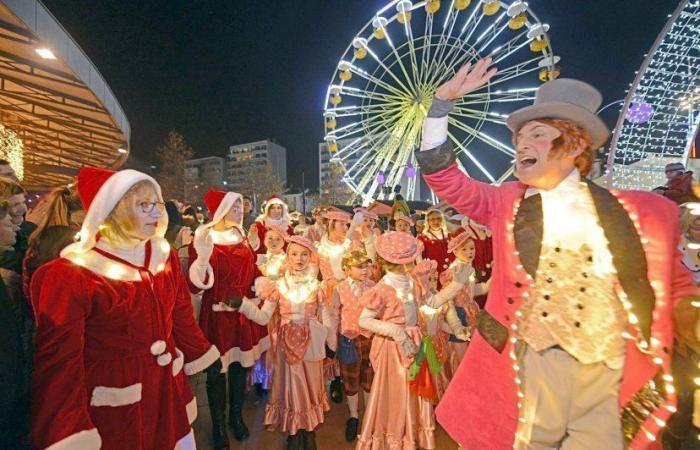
(386, 265)
(120, 222)
(354, 258)
(687, 218)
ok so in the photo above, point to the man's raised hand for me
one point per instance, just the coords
(467, 79)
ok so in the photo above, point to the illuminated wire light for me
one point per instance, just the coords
(12, 150)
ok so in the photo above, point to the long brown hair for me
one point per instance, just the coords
(61, 204)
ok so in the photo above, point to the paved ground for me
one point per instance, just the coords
(330, 435)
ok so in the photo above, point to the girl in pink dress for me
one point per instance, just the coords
(272, 267)
(395, 419)
(462, 311)
(298, 398)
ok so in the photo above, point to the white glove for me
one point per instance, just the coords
(461, 273)
(203, 244)
(261, 316)
(369, 322)
(408, 347)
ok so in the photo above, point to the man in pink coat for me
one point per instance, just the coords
(573, 349)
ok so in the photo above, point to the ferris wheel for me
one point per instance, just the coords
(384, 82)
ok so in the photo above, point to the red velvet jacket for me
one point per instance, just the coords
(480, 408)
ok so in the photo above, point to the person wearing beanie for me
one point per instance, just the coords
(354, 343)
(574, 346)
(222, 264)
(116, 335)
(275, 213)
(396, 416)
(679, 184)
(298, 399)
(316, 231)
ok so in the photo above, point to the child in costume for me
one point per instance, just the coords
(276, 213)
(222, 264)
(394, 417)
(271, 267)
(354, 343)
(462, 311)
(298, 398)
(334, 244)
(116, 334)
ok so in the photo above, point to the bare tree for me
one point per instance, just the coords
(261, 182)
(171, 157)
(333, 191)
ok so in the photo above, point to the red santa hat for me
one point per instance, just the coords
(219, 203)
(100, 191)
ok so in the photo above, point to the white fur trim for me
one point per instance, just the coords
(191, 409)
(114, 396)
(107, 197)
(245, 358)
(196, 276)
(157, 348)
(223, 208)
(179, 362)
(115, 270)
(204, 361)
(187, 442)
(82, 440)
(164, 359)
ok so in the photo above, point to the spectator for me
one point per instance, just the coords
(6, 170)
(15, 342)
(248, 215)
(679, 186)
(177, 234)
(57, 229)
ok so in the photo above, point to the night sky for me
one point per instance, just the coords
(228, 72)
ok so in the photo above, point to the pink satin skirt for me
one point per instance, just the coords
(298, 397)
(394, 419)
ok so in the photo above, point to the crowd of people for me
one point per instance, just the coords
(537, 314)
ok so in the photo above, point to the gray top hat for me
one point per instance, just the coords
(568, 99)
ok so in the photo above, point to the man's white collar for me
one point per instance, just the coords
(570, 182)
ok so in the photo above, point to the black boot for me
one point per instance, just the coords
(337, 390)
(351, 429)
(309, 439)
(294, 441)
(236, 394)
(216, 393)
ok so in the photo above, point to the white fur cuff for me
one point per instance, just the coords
(202, 362)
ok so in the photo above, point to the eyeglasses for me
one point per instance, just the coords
(147, 207)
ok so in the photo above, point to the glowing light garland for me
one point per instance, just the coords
(12, 150)
(661, 107)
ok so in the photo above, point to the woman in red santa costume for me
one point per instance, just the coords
(573, 349)
(115, 328)
(434, 240)
(222, 264)
(275, 213)
(298, 398)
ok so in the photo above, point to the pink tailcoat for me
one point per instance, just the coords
(479, 409)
